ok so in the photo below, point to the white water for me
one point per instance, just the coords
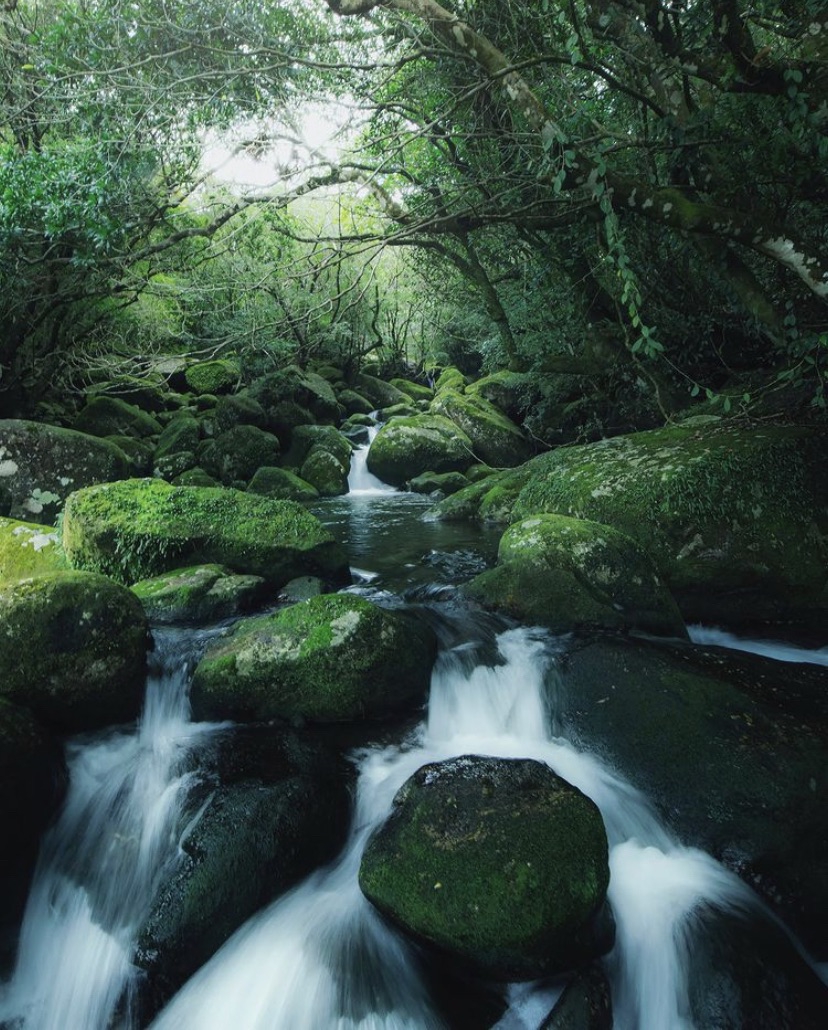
(776, 649)
(360, 480)
(102, 862)
(319, 959)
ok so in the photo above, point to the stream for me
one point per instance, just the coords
(319, 957)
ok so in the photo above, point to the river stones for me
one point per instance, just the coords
(584, 1005)
(143, 527)
(235, 455)
(732, 749)
(321, 456)
(569, 573)
(271, 809)
(41, 465)
(406, 447)
(282, 484)
(28, 550)
(198, 594)
(497, 863)
(331, 658)
(495, 439)
(74, 649)
(297, 388)
(109, 416)
(445, 482)
(735, 517)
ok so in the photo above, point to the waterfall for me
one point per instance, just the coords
(319, 958)
(101, 863)
(360, 480)
(780, 652)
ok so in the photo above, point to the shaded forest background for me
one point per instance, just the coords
(622, 202)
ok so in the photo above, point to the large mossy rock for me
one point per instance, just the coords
(198, 595)
(407, 447)
(498, 863)
(213, 377)
(143, 527)
(33, 781)
(512, 392)
(108, 416)
(733, 750)
(235, 456)
(321, 456)
(74, 649)
(239, 409)
(569, 574)
(277, 808)
(183, 433)
(416, 391)
(380, 393)
(495, 438)
(728, 512)
(28, 550)
(297, 387)
(281, 484)
(331, 658)
(41, 465)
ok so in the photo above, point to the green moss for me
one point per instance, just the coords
(445, 482)
(416, 391)
(141, 528)
(283, 484)
(198, 594)
(407, 447)
(330, 658)
(28, 550)
(213, 376)
(74, 649)
(108, 416)
(495, 438)
(497, 861)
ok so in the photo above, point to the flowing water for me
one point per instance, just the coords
(319, 958)
(361, 483)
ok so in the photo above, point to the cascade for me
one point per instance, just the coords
(360, 480)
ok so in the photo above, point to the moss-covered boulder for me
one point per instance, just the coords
(183, 433)
(450, 378)
(495, 438)
(138, 453)
(321, 455)
(28, 550)
(571, 573)
(171, 466)
(380, 393)
(108, 416)
(236, 455)
(354, 403)
(498, 863)
(41, 465)
(404, 410)
(194, 477)
(282, 483)
(198, 594)
(276, 809)
(301, 388)
(213, 377)
(735, 517)
(143, 527)
(329, 659)
(512, 392)
(407, 447)
(32, 784)
(239, 409)
(416, 391)
(74, 649)
(731, 747)
(445, 483)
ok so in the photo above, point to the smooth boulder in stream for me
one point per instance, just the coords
(497, 863)
(331, 658)
(142, 527)
(74, 649)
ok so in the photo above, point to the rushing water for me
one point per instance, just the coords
(319, 958)
(361, 482)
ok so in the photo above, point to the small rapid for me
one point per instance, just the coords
(100, 864)
(320, 958)
(360, 480)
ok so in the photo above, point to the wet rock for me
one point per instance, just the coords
(584, 1005)
(328, 659)
(498, 863)
(274, 808)
(495, 439)
(321, 455)
(41, 465)
(198, 595)
(74, 650)
(733, 750)
(570, 573)
(446, 483)
(143, 527)
(407, 447)
(283, 484)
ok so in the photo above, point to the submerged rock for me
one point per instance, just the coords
(570, 573)
(198, 594)
(276, 809)
(733, 750)
(143, 527)
(498, 863)
(328, 659)
(41, 465)
(74, 650)
(407, 447)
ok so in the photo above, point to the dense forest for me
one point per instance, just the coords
(631, 195)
